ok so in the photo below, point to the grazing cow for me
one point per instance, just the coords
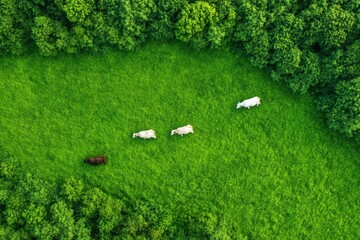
(255, 101)
(145, 134)
(96, 160)
(183, 130)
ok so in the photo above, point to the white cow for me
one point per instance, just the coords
(255, 101)
(145, 134)
(183, 130)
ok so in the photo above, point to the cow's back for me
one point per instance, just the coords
(96, 160)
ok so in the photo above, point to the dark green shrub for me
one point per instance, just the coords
(345, 115)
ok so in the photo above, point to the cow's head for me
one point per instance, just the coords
(173, 132)
(239, 105)
(134, 135)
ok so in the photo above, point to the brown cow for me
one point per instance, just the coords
(96, 160)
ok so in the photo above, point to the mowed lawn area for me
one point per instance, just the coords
(272, 171)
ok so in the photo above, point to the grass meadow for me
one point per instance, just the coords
(271, 172)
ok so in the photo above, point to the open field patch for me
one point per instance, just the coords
(272, 169)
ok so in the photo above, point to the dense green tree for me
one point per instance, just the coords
(49, 35)
(352, 61)
(62, 220)
(110, 217)
(35, 216)
(204, 24)
(32, 196)
(222, 32)
(286, 57)
(79, 38)
(81, 230)
(164, 19)
(336, 26)
(36, 190)
(124, 23)
(286, 54)
(331, 68)
(134, 19)
(90, 202)
(8, 165)
(250, 32)
(161, 227)
(76, 11)
(13, 33)
(72, 190)
(12, 215)
(195, 22)
(76, 31)
(345, 115)
(205, 223)
(307, 75)
(136, 226)
(326, 26)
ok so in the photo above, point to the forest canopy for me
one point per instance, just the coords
(72, 210)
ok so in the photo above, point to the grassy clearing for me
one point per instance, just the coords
(271, 171)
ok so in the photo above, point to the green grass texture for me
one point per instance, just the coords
(272, 171)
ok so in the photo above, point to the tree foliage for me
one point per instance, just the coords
(77, 11)
(33, 208)
(345, 115)
(13, 33)
(164, 19)
(250, 31)
(195, 23)
(50, 35)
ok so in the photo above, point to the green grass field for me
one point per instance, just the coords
(273, 171)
